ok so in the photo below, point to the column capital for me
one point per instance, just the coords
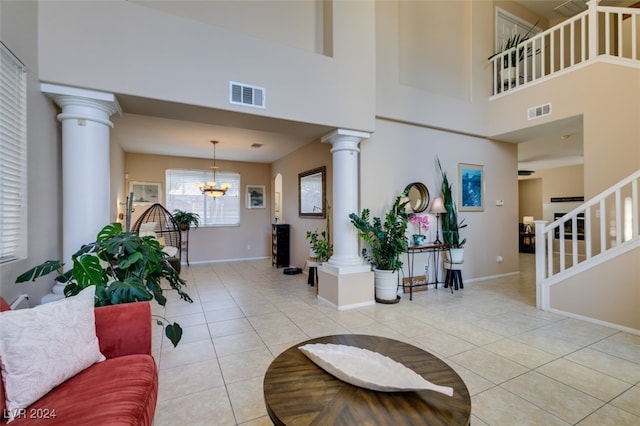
(83, 104)
(345, 140)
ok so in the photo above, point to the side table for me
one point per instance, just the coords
(434, 249)
(298, 392)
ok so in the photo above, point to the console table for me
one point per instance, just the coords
(298, 392)
(433, 249)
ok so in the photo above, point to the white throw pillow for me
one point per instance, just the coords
(43, 346)
(147, 230)
(170, 251)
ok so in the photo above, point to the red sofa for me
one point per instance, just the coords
(122, 390)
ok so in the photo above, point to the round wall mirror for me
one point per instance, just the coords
(418, 195)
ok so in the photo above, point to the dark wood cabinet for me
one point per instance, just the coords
(280, 245)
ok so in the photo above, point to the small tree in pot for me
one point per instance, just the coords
(386, 241)
(186, 219)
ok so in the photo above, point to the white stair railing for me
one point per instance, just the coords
(591, 231)
(599, 31)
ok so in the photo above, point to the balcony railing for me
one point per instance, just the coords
(599, 31)
(596, 230)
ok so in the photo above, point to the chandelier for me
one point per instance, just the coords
(209, 189)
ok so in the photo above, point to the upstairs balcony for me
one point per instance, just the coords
(600, 33)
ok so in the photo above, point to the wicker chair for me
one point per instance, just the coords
(157, 221)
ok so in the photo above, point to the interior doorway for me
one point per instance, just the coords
(278, 201)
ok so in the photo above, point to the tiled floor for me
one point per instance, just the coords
(521, 365)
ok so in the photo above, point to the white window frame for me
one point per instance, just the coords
(181, 186)
(13, 157)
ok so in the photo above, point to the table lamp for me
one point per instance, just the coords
(437, 208)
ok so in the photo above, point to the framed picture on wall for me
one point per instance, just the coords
(471, 187)
(255, 197)
(145, 193)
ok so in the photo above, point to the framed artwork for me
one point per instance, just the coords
(471, 184)
(276, 202)
(311, 193)
(145, 192)
(255, 197)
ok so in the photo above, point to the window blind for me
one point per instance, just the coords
(13, 151)
(183, 193)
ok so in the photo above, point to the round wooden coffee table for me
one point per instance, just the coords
(298, 392)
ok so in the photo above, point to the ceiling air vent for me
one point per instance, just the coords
(244, 94)
(538, 111)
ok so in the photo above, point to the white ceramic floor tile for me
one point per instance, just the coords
(488, 365)
(611, 416)
(491, 333)
(629, 401)
(584, 379)
(558, 399)
(247, 399)
(236, 343)
(189, 378)
(206, 408)
(497, 406)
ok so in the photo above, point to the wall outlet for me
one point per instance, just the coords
(500, 203)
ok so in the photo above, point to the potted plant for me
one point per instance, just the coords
(186, 219)
(450, 224)
(516, 55)
(124, 268)
(321, 247)
(386, 241)
(423, 223)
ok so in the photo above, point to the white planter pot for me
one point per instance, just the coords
(455, 255)
(508, 74)
(312, 253)
(386, 283)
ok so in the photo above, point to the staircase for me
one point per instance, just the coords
(600, 33)
(601, 229)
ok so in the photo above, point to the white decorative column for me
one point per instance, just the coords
(347, 281)
(85, 166)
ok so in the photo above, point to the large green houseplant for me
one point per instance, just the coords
(386, 241)
(124, 268)
(451, 225)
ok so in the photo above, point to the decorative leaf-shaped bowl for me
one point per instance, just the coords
(368, 369)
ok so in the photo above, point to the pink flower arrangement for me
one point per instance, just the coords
(422, 221)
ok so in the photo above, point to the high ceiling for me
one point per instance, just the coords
(157, 127)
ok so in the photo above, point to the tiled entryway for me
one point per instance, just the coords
(521, 365)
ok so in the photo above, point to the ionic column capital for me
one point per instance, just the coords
(82, 104)
(345, 140)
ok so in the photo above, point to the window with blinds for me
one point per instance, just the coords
(183, 193)
(13, 152)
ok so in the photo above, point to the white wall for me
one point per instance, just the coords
(18, 24)
(398, 154)
(124, 47)
(441, 78)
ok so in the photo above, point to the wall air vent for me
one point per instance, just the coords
(244, 94)
(538, 111)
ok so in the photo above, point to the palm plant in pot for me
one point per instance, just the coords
(451, 226)
(185, 219)
(514, 52)
(124, 267)
(386, 241)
